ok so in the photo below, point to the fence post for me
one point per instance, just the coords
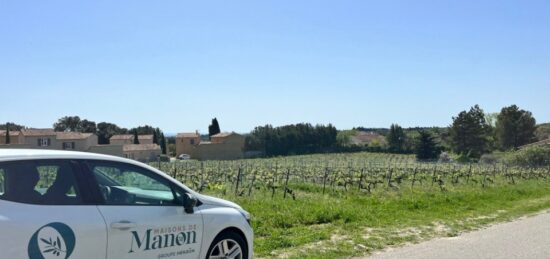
(238, 179)
(286, 183)
(325, 179)
(414, 178)
(158, 159)
(361, 178)
(252, 183)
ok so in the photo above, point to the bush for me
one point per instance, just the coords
(530, 156)
(164, 158)
(488, 159)
(445, 157)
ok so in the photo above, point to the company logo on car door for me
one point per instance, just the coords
(166, 237)
(54, 240)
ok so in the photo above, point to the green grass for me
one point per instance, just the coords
(447, 199)
(343, 224)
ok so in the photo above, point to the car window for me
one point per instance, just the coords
(40, 182)
(123, 184)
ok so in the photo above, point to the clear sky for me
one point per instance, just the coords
(177, 64)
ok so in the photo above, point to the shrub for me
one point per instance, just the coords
(530, 156)
(488, 159)
(445, 157)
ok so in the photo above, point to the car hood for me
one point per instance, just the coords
(213, 201)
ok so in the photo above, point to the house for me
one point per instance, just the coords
(39, 138)
(142, 152)
(49, 139)
(222, 146)
(15, 137)
(364, 138)
(75, 141)
(186, 143)
(121, 145)
(124, 139)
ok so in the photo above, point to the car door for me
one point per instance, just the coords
(144, 213)
(45, 212)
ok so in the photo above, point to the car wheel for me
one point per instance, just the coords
(228, 245)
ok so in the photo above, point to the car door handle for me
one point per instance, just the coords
(123, 225)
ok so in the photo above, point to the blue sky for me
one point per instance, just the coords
(177, 64)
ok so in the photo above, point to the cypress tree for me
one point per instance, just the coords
(214, 128)
(7, 133)
(136, 138)
(156, 136)
(163, 143)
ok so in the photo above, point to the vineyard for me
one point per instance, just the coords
(363, 172)
(341, 205)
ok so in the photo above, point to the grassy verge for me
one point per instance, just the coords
(344, 224)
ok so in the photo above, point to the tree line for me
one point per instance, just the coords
(302, 138)
(471, 134)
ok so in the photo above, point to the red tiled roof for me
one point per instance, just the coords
(130, 136)
(38, 132)
(73, 135)
(140, 147)
(12, 133)
(224, 134)
(187, 135)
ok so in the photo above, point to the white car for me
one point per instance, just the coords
(184, 157)
(60, 204)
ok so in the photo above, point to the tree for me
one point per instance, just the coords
(396, 139)
(515, 127)
(163, 143)
(86, 126)
(469, 133)
(136, 137)
(67, 123)
(491, 118)
(7, 133)
(156, 136)
(425, 147)
(301, 138)
(12, 126)
(143, 130)
(213, 128)
(106, 130)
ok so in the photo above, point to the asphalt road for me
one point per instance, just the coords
(524, 238)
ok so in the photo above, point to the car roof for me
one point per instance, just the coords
(33, 154)
(28, 154)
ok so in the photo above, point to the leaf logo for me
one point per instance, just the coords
(52, 241)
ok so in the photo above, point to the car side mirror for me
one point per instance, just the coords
(189, 203)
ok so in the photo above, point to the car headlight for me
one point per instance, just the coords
(245, 214)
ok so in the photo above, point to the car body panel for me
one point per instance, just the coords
(84, 221)
(155, 233)
(92, 224)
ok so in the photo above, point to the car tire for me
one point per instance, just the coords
(228, 244)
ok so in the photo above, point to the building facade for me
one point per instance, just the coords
(123, 145)
(223, 146)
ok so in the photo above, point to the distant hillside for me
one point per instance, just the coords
(543, 131)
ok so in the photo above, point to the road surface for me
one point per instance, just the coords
(524, 238)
